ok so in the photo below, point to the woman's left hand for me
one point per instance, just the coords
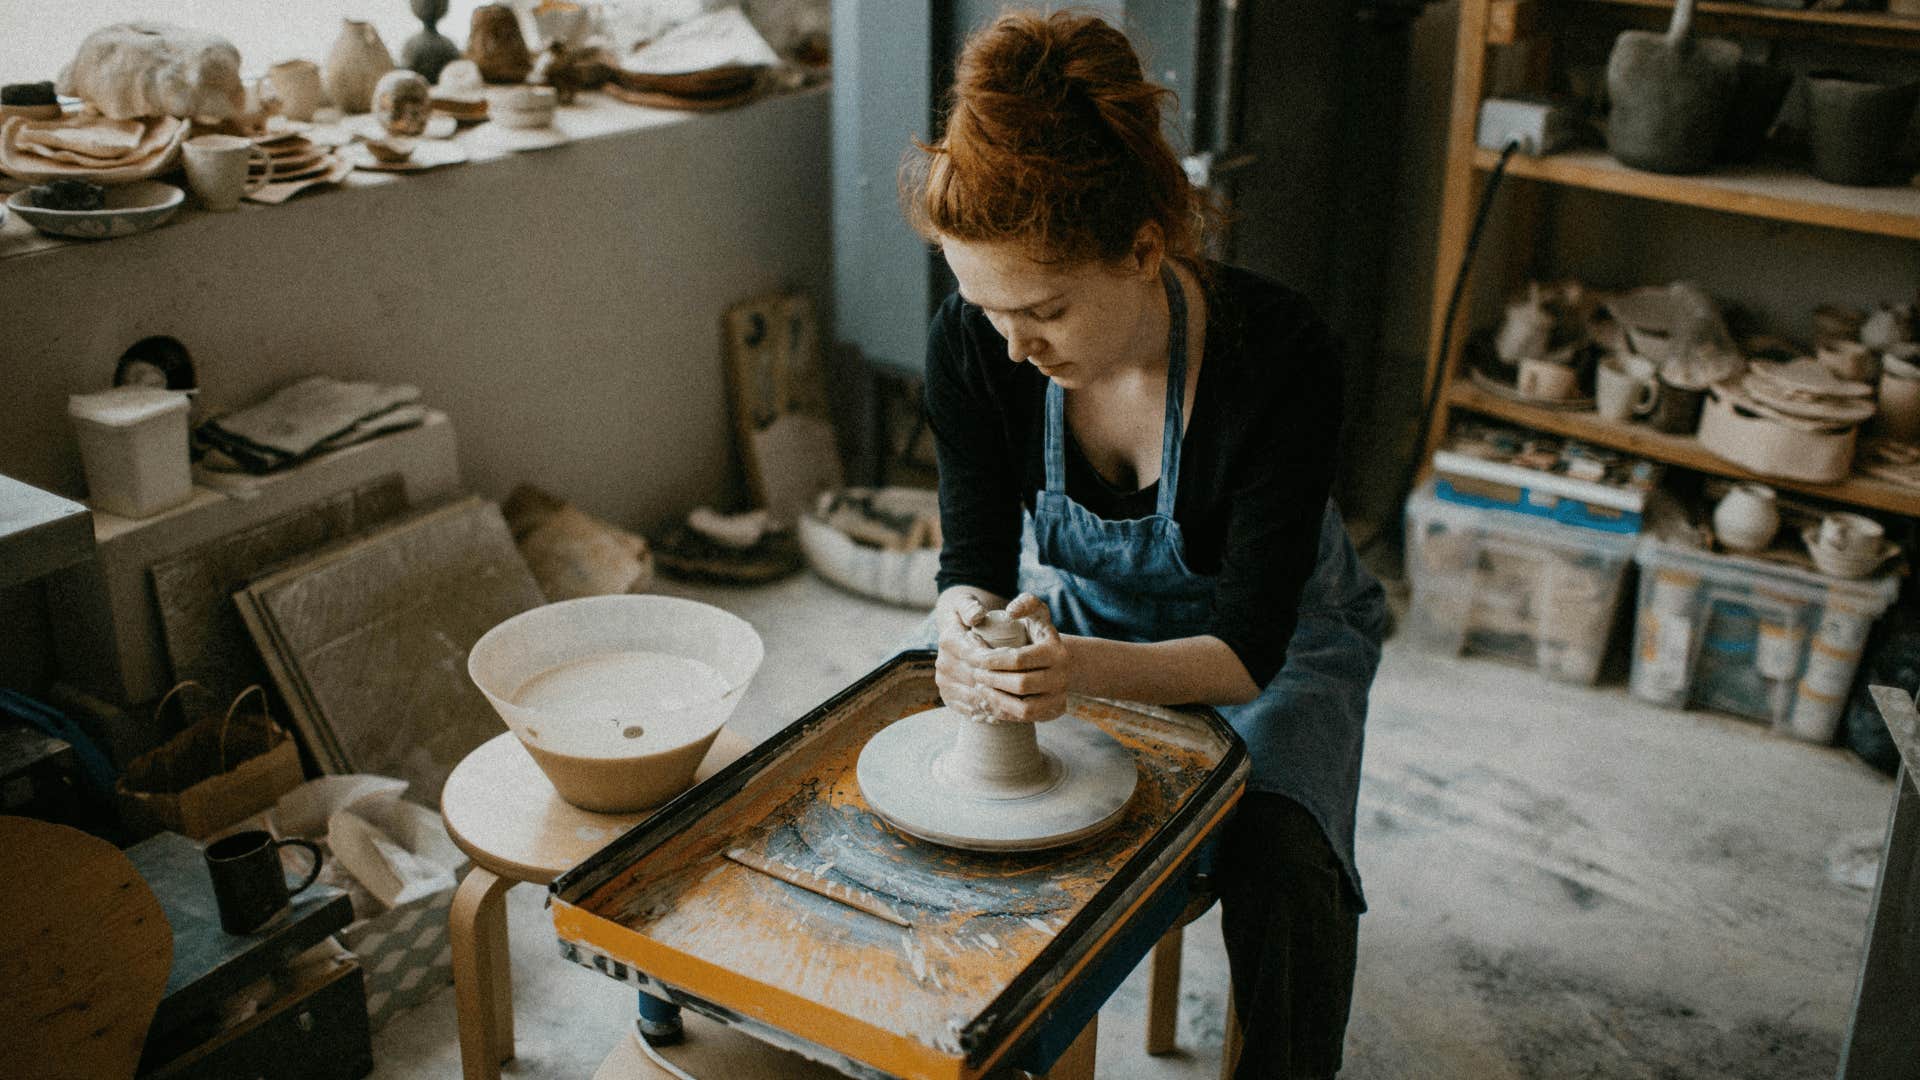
(1027, 684)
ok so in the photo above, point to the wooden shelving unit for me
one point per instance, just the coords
(1771, 192)
(1682, 450)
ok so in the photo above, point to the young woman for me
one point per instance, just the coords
(1165, 429)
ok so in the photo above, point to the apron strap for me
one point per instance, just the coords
(1176, 389)
(1056, 431)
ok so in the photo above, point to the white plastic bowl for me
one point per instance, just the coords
(619, 753)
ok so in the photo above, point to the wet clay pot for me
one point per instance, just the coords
(1670, 94)
(496, 46)
(1855, 127)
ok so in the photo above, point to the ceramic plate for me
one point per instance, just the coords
(427, 154)
(313, 168)
(131, 208)
(495, 137)
(292, 163)
(438, 127)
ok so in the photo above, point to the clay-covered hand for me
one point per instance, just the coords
(1022, 685)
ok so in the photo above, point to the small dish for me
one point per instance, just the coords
(131, 208)
(427, 154)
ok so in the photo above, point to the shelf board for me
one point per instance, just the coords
(1682, 450)
(1756, 191)
(1877, 28)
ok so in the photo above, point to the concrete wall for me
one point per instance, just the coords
(563, 306)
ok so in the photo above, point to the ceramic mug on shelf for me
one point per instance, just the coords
(217, 169)
(249, 887)
(1544, 380)
(1625, 387)
(1899, 415)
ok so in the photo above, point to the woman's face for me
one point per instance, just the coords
(1076, 323)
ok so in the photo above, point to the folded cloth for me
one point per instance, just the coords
(308, 417)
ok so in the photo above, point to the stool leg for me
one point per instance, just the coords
(1077, 1062)
(1230, 1047)
(482, 987)
(1163, 993)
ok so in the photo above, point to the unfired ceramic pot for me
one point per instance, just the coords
(495, 44)
(1856, 127)
(1747, 517)
(354, 66)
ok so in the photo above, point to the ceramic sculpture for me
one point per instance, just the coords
(1670, 96)
(355, 64)
(401, 102)
(496, 46)
(143, 69)
(429, 50)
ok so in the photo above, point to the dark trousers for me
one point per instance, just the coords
(1291, 924)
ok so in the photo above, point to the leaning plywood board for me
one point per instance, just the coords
(373, 636)
(780, 404)
(205, 637)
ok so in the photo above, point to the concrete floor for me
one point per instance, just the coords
(1566, 883)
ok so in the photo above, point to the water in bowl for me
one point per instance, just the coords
(638, 698)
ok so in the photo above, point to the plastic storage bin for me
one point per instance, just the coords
(133, 447)
(1750, 637)
(1513, 586)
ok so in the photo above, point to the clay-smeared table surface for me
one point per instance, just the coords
(991, 938)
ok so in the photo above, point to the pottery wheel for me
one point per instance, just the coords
(913, 779)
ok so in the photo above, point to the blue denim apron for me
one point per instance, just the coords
(1129, 581)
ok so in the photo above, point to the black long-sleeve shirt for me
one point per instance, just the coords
(1257, 460)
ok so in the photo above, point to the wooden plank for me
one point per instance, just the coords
(1761, 191)
(1163, 992)
(1682, 450)
(780, 404)
(1873, 28)
(1459, 191)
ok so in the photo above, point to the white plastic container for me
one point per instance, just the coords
(1751, 637)
(1513, 586)
(133, 446)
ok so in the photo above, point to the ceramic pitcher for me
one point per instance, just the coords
(355, 64)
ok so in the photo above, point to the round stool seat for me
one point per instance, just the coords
(505, 814)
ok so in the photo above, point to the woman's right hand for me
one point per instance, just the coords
(957, 672)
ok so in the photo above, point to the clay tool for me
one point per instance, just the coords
(987, 785)
(816, 884)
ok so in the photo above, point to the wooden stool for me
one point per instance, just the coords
(504, 813)
(1163, 993)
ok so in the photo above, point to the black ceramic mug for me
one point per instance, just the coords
(248, 885)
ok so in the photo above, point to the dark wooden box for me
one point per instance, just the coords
(317, 1030)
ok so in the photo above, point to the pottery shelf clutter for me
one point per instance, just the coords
(141, 96)
(1794, 132)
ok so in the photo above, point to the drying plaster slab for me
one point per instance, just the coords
(905, 780)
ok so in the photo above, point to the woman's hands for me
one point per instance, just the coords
(1026, 685)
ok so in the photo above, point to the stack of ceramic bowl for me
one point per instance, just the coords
(1807, 392)
(89, 147)
(295, 157)
(1849, 545)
